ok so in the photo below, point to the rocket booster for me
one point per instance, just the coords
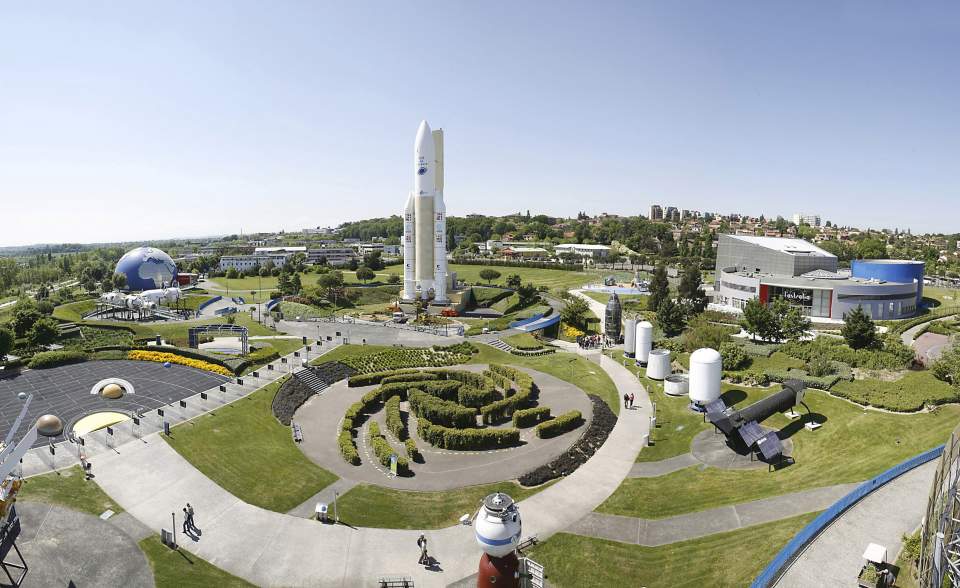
(425, 221)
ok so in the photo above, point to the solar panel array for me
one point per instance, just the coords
(751, 433)
(715, 407)
(770, 446)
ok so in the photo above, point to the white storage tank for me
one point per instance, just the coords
(629, 336)
(658, 364)
(644, 341)
(676, 384)
(706, 369)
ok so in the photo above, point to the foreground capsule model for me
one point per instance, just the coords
(497, 529)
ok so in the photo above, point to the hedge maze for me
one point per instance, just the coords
(455, 410)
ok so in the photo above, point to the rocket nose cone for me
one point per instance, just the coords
(424, 133)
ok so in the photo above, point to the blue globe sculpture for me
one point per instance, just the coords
(147, 268)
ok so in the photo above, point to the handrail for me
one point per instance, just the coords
(795, 547)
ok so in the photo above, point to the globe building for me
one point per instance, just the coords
(147, 268)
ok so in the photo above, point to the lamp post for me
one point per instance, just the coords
(336, 515)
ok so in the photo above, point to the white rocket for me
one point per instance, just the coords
(425, 222)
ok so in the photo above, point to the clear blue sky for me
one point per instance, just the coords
(130, 120)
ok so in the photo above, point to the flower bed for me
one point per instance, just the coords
(162, 357)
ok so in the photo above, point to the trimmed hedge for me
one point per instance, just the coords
(530, 416)
(443, 412)
(394, 422)
(347, 448)
(501, 410)
(375, 377)
(412, 451)
(412, 377)
(476, 397)
(383, 450)
(49, 359)
(821, 383)
(407, 357)
(566, 422)
(466, 439)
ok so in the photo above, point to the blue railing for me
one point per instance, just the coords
(527, 321)
(207, 303)
(273, 302)
(782, 560)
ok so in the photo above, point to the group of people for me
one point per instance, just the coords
(594, 341)
(628, 400)
(189, 527)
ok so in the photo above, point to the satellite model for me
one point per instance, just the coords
(744, 425)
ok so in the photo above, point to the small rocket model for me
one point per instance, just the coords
(425, 222)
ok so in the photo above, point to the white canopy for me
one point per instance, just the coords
(875, 553)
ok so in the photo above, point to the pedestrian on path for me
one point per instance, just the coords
(186, 522)
(190, 522)
(626, 400)
(422, 544)
(631, 400)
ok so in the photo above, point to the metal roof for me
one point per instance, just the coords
(785, 245)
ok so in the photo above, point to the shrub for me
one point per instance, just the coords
(530, 416)
(49, 359)
(476, 397)
(346, 425)
(375, 377)
(557, 426)
(412, 451)
(821, 383)
(819, 366)
(374, 429)
(525, 387)
(443, 412)
(394, 422)
(347, 448)
(466, 439)
(353, 411)
(733, 356)
(445, 390)
(384, 451)
(406, 357)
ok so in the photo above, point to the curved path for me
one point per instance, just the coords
(320, 418)
(150, 480)
(836, 555)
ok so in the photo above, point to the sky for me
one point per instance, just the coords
(136, 120)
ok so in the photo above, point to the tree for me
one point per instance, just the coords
(575, 312)
(659, 288)
(858, 329)
(295, 284)
(514, 281)
(25, 314)
(43, 332)
(373, 260)
(670, 317)
(393, 279)
(119, 281)
(702, 333)
(365, 274)
(232, 274)
(353, 265)
(489, 274)
(330, 279)
(690, 293)
(528, 294)
(6, 342)
(733, 356)
(756, 319)
(794, 324)
(871, 248)
(283, 283)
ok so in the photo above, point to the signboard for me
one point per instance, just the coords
(393, 464)
(159, 412)
(183, 404)
(203, 396)
(798, 296)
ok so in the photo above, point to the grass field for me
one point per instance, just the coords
(74, 311)
(68, 488)
(375, 506)
(245, 450)
(853, 445)
(181, 569)
(729, 559)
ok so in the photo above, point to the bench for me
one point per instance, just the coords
(297, 433)
(527, 543)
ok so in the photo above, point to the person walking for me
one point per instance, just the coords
(186, 522)
(190, 522)
(626, 400)
(422, 544)
(631, 400)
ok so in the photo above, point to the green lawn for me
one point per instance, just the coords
(551, 278)
(68, 488)
(245, 450)
(173, 568)
(74, 311)
(375, 506)
(725, 559)
(523, 341)
(853, 445)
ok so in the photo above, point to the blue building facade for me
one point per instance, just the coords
(902, 271)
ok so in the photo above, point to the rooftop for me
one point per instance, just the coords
(785, 245)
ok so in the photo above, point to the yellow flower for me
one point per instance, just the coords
(163, 357)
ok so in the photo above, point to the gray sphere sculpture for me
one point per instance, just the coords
(49, 425)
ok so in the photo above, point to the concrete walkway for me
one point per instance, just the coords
(595, 307)
(150, 480)
(653, 469)
(835, 557)
(655, 532)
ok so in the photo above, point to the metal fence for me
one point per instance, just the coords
(940, 532)
(795, 547)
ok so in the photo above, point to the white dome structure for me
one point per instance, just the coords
(658, 364)
(497, 526)
(706, 369)
(629, 336)
(644, 341)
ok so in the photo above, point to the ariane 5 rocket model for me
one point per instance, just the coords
(425, 222)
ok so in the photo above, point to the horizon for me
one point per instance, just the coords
(283, 118)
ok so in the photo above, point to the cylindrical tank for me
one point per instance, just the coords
(629, 336)
(658, 364)
(706, 369)
(644, 341)
(676, 384)
(498, 525)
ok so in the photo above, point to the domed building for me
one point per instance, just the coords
(147, 268)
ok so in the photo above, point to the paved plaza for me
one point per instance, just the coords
(65, 390)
